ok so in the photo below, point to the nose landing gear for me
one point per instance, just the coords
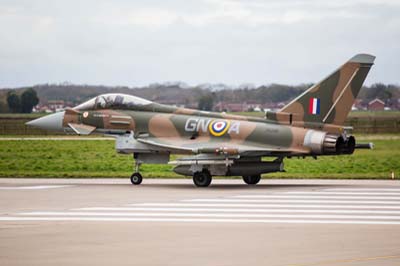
(136, 177)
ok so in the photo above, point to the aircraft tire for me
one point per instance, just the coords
(202, 179)
(136, 179)
(251, 179)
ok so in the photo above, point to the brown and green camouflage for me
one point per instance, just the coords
(310, 125)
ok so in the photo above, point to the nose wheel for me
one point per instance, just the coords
(136, 179)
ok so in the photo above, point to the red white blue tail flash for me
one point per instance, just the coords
(314, 106)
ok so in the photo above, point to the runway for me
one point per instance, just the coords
(170, 222)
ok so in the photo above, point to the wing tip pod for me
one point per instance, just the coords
(363, 59)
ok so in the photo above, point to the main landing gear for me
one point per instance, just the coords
(136, 177)
(202, 179)
(251, 179)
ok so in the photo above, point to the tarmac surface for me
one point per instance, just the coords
(171, 222)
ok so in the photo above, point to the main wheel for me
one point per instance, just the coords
(136, 178)
(202, 179)
(251, 179)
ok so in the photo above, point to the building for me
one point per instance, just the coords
(56, 105)
(229, 107)
(376, 105)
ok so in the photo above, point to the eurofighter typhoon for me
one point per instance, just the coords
(219, 144)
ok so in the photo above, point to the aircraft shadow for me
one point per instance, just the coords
(233, 186)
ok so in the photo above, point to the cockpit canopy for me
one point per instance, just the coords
(113, 101)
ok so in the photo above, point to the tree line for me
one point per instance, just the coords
(22, 103)
(205, 98)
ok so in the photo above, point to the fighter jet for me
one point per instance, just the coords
(220, 144)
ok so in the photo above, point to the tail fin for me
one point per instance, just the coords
(330, 100)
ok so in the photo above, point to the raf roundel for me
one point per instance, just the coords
(218, 128)
(85, 114)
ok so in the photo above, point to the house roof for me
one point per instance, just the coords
(376, 100)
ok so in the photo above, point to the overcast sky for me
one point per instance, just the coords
(135, 43)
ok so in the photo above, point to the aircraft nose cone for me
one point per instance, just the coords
(49, 122)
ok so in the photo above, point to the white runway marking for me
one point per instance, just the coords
(166, 209)
(343, 193)
(124, 219)
(364, 189)
(294, 201)
(34, 187)
(213, 215)
(314, 197)
(249, 205)
(305, 207)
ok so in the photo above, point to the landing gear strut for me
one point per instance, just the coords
(136, 177)
(202, 179)
(251, 179)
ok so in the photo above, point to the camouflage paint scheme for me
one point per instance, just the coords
(298, 129)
